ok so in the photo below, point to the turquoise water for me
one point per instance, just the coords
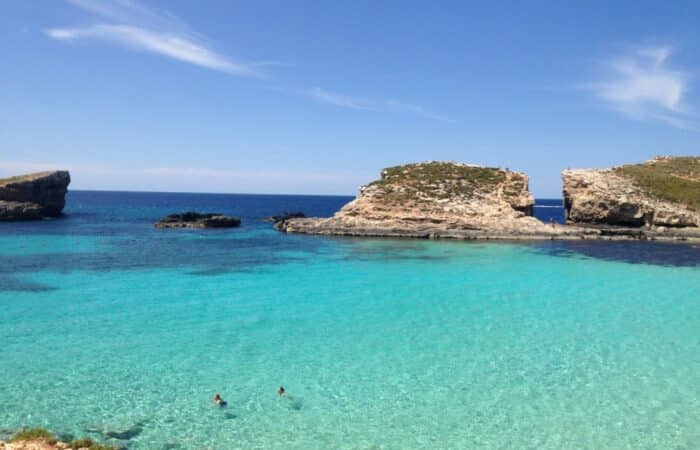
(380, 343)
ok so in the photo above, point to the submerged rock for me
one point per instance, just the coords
(34, 196)
(661, 193)
(192, 219)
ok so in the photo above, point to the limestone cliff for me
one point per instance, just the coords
(434, 199)
(660, 193)
(34, 196)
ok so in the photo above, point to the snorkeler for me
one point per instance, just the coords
(281, 391)
(219, 401)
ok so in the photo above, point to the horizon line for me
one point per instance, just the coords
(241, 193)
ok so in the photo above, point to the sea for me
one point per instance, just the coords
(113, 329)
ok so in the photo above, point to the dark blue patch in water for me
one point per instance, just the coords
(633, 252)
(9, 283)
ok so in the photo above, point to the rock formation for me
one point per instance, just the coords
(198, 220)
(436, 200)
(279, 220)
(659, 194)
(34, 196)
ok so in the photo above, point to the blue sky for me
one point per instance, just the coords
(297, 97)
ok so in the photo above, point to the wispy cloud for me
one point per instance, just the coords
(345, 101)
(135, 26)
(643, 86)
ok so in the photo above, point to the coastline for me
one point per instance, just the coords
(315, 226)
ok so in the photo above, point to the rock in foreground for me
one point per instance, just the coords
(34, 196)
(436, 200)
(659, 194)
(198, 220)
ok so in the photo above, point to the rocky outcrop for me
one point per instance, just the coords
(198, 220)
(34, 196)
(657, 195)
(278, 221)
(436, 200)
(38, 444)
(52, 443)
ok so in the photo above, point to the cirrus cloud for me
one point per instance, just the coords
(642, 85)
(134, 26)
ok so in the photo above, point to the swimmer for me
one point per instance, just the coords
(281, 391)
(219, 401)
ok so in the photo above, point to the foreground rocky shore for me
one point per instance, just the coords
(41, 439)
(443, 200)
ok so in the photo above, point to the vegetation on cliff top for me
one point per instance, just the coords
(435, 180)
(672, 179)
(23, 178)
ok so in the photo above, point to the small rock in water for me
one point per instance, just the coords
(191, 219)
(285, 216)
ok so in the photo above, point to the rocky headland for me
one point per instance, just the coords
(462, 201)
(192, 219)
(34, 196)
(658, 195)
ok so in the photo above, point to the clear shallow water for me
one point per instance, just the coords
(108, 325)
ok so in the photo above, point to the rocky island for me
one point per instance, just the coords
(192, 219)
(34, 196)
(437, 200)
(659, 199)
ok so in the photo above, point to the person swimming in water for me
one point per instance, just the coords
(219, 401)
(281, 391)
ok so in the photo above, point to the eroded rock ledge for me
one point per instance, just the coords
(445, 200)
(34, 196)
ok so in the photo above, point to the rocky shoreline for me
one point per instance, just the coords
(557, 232)
(443, 200)
(41, 439)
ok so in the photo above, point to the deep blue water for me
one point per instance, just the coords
(123, 332)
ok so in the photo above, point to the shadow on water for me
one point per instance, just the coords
(632, 252)
(119, 435)
(9, 283)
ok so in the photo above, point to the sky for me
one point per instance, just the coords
(317, 97)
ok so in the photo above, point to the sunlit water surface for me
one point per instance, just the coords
(112, 329)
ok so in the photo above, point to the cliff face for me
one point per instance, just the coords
(33, 196)
(663, 192)
(433, 199)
